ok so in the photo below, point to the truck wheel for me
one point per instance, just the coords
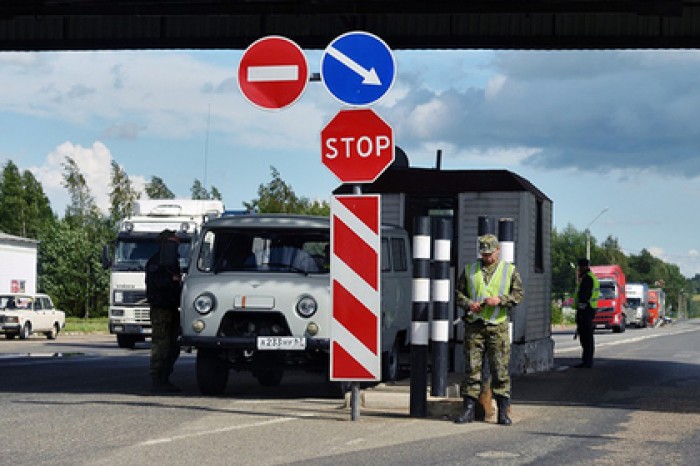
(26, 331)
(126, 341)
(390, 363)
(212, 372)
(338, 389)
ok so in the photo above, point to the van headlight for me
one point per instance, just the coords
(204, 303)
(306, 306)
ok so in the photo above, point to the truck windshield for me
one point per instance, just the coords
(608, 290)
(634, 302)
(132, 254)
(253, 250)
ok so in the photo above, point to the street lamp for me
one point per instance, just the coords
(588, 233)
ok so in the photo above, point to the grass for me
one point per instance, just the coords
(90, 325)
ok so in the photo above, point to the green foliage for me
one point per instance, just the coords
(92, 325)
(279, 197)
(24, 208)
(122, 195)
(199, 191)
(157, 189)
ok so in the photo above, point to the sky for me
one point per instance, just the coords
(593, 130)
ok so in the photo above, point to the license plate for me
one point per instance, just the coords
(600, 326)
(281, 343)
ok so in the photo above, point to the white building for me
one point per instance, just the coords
(18, 264)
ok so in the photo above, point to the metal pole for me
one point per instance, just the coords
(355, 401)
(420, 324)
(441, 299)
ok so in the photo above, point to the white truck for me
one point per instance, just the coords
(136, 242)
(637, 307)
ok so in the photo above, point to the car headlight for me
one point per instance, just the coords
(204, 303)
(118, 297)
(307, 306)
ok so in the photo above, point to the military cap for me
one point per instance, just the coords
(488, 243)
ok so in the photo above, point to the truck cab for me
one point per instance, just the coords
(136, 242)
(611, 312)
(257, 298)
(637, 304)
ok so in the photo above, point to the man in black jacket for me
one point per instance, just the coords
(163, 289)
(586, 303)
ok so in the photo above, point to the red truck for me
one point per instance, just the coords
(612, 300)
(657, 306)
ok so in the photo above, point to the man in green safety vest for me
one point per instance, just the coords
(586, 303)
(486, 291)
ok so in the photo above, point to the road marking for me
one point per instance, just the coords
(629, 340)
(273, 73)
(159, 441)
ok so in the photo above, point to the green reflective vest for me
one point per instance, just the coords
(595, 294)
(498, 285)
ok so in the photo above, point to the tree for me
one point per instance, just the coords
(84, 233)
(12, 215)
(122, 196)
(279, 197)
(157, 189)
(198, 190)
(24, 208)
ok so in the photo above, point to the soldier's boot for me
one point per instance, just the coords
(503, 403)
(161, 384)
(469, 411)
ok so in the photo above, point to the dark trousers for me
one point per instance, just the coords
(584, 327)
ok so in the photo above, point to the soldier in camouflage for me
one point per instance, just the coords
(486, 291)
(163, 288)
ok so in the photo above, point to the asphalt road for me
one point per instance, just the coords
(82, 400)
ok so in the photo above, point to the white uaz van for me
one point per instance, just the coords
(257, 297)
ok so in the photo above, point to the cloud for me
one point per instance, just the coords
(94, 163)
(585, 110)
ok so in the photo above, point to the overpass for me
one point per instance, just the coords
(403, 24)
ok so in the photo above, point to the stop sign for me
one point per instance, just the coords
(357, 145)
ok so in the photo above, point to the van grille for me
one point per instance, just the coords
(253, 324)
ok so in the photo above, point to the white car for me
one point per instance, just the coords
(22, 314)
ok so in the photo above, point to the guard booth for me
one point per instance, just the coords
(464, 196)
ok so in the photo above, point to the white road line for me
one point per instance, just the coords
(629, 340)
(273, 73)
(159, 441)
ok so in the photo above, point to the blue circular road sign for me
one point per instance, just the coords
(358, 68)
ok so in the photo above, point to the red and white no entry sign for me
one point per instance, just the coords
(357, 146)
(273, 73)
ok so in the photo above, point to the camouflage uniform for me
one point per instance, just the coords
(165, 348)
(482, 337)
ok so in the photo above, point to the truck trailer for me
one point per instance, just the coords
(136, 242)
(613, 299)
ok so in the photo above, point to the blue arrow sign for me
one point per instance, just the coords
(358, 68)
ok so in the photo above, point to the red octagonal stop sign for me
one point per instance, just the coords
(357, 146)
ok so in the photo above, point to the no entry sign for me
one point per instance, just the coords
(357, 146)
(273, 73)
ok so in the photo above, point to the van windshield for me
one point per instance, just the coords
(264, 250)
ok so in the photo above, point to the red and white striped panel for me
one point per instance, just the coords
(355, 290)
